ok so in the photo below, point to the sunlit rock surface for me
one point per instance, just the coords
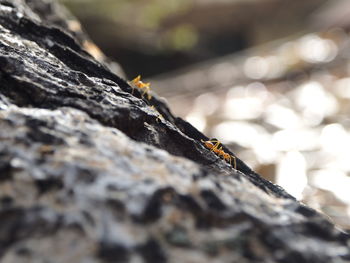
(91, 172)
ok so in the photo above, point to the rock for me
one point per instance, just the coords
(91, 170)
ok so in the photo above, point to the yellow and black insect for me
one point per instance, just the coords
(216, 146)
(144, 87)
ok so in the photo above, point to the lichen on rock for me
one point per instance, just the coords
(89, 173)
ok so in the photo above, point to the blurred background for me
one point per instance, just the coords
(269, 78)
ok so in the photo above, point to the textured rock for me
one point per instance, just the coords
(90, 172)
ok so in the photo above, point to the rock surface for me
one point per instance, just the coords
(93, 171)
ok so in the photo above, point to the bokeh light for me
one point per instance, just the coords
(287, 117)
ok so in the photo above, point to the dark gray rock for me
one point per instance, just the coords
(91, 172)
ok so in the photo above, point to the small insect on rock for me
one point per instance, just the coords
(159, 116)
(214, 146)
(145, 87)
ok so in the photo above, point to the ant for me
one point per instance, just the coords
(213, 145)
(159, 116)
(142, 86)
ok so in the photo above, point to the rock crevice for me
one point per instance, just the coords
(90, 172)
